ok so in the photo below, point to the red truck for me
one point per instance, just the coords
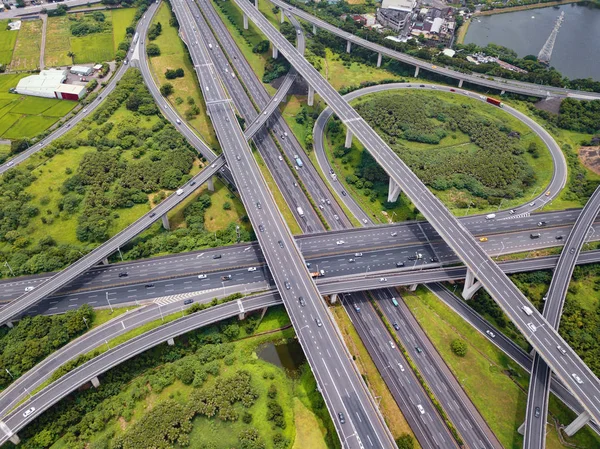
(495, 102)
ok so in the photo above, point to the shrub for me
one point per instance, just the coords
(458, 347)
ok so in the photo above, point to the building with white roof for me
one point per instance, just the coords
(399, 5)
(49, 84)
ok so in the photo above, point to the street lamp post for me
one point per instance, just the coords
(86, 324)
(109, 304)
(161, 314)
(9, 373)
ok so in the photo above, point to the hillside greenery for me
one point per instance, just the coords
(575, 115)
(208, 391)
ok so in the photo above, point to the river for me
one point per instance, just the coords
(576, 51)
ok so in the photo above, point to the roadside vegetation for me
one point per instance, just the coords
(210, 390)
(96, 180)
(496, 385)
(184, 95)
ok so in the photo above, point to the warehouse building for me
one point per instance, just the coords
(49, 84)
(81, 70)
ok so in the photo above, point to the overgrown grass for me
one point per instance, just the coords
(58, 42)
(121, 19)
(7, 42)
(495, 384)
(173, 55)
(26, 55)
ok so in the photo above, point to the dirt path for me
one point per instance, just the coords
(44, 18)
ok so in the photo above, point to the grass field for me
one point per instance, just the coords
(173, 55)
(7, 42)
(26, 55)
(58, 42)
(484, 374)
(121, 19)
(391, 413)
(93, 48)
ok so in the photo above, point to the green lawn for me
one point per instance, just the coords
(58, 42)
(26, 55)
(485, 373)
(7, 42)
(121, 19)
(93, 48)
(173, 55)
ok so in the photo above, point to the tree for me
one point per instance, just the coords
(152, 50)
(458, 347)
(226, 205)
(72, 56)
(405, 441)
(166, 89)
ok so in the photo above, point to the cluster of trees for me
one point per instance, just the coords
(495, 169)
(152, 50)
(261, 47)
(34, 338)
(581, 116)
(89, 24)
(171, 74)
(154, 31)
(274, 68)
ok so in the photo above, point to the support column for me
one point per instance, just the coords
(333, 298)
(314, 29)
(379, 60)
(275, 52)
(242, 313)
(577, 424)
(95, 382)
(311, 95)
(348, 143)
(105, 261)
(245, 22)
(393, 191)
(171, 342)
(460, 83)
(502, 92)
(10, 324)
(417, 72)
(413, 287)
(471, 285)
(521, 429)
(210, 184)
(256, 3)
(14, 439)
(165, 222)
(282, 17)
(348, 46)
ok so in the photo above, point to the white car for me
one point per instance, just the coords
(421, 409)
(30, 288)
(401, 367)
(532, 327)
(10, 163)
(532, 203)
(28, 412)
(392, 344)
(340, 242)
(577, 378)
(383, 280)
(202, 276)
(490, 333)
(252, 269)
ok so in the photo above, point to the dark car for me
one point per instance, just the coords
(258, 206)
(193, 183)
(537, 412)
(280, 243)
(341, 418)
(261, 228)
(226, 278)
(396, 326)
(399, 264)
(301, 301)
(287, 285)
(344, 193)
(149, 285)
(412, 257)
(217, 256)
(123, 274)
(559, 237)
(419, 350)
(153, 214)
(188, 301)
(572, 251)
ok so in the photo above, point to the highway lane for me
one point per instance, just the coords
(286, 182)
(51, 394)
(280, 129)
(45, 289)
(85, 112)
(323, 254)
(473, 429)
(539, 386)
(506, 345)
(340, 383)
(545, 339)
(428, 427)
(551, 191)
(481, 80)
(34, 9)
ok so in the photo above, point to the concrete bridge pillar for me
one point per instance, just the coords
(379, 56)
(275, 52)
(282, 18)
(333, 298)
(314, 29)
(245, 22)
(311, 95)
(105, 261)
(210, 184)
(348, 46)
(577, 424)
(417, 72)
(348, 142)
(393, 191)
(165, 222)
(460, 82)
(95, 382)
(242, 313)
(471, 286)
(502, 92)
(14, 439)
(171, 342)
(413, 287)
(256, 3)
(10, 324)
(521, 429)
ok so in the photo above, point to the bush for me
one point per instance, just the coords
(152, 50)
(458, 347)
(166, 89)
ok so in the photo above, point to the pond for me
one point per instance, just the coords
(288, 356)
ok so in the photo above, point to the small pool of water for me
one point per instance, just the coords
(288, 356)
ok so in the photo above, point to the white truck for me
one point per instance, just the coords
(527, 310)
(490, 216)
(300, 211)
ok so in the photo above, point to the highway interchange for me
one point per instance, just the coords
(221, 109)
